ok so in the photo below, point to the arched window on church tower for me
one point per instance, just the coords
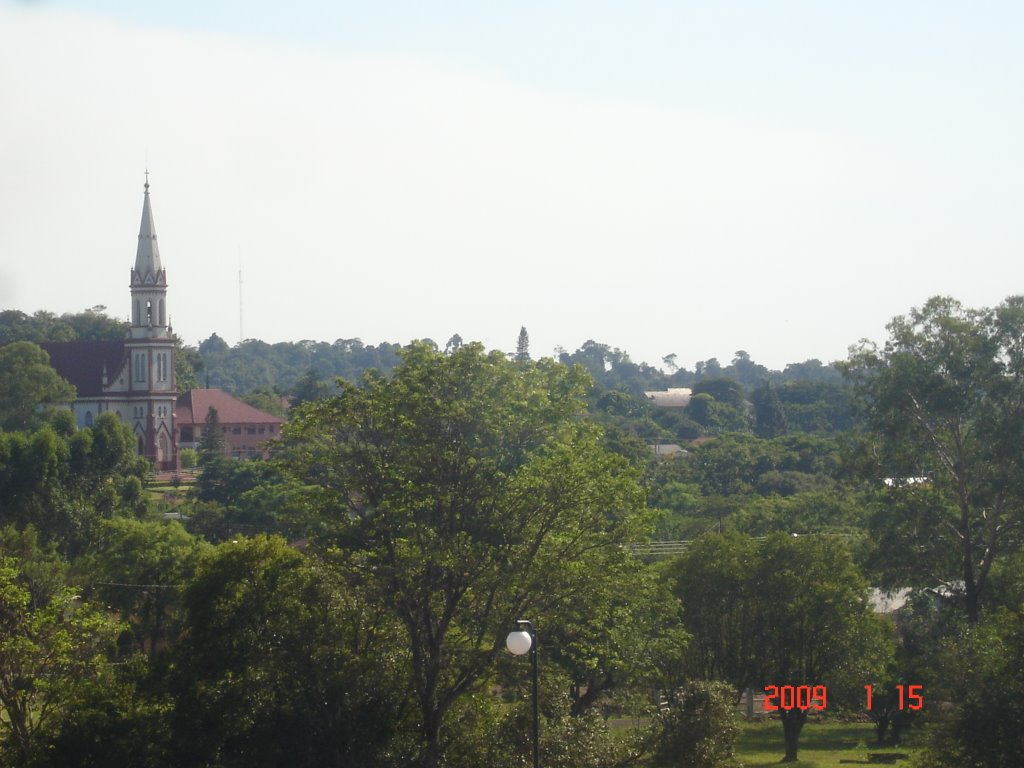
(163, 448)
(138, 313)
(149, 313)
(163, 316)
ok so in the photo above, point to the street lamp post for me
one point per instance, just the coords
(521, 640)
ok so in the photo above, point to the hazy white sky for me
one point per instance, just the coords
(665, 177)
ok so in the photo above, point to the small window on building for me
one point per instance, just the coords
(236, 430)
(88, 418)
(262, 430)
(250, 430)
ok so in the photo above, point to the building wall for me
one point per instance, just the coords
(241, 441)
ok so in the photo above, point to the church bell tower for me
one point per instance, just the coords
(150, 349)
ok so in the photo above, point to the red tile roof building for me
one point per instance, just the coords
(246, 430)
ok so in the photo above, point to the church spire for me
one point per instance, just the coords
(148, 268)
(149, 280)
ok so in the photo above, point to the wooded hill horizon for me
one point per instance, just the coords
(349, 357)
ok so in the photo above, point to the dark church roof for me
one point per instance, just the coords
(82, 362)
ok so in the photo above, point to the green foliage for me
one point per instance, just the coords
(716, 417)
(699, 729)
(140, 569)
(267, 400)
(64, 485)
(811, 510)
(52, 649)
(782, 611)
(26, 382)
(188, 457)
(621, 632)
(984, 683)
(817, 407)
(249, 497)
(523, 346)
(281, 664)
(114, 724)
(90, 325)
(493, 731)
(310, 388)
(254, 364)
(769, 415)
(187, 365)
(942, 401)
(211, 442)
(475, 495)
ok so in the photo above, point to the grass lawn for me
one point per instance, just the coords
(821, 744)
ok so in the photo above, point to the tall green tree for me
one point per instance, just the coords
(769, 415)
(782, 611)
(944, 405)
(309, 388)
(523, 346)
(474, 493)
(282, 663)
(27, 382)
(64, 484)
(141, 569)
(53, 649)
(211, 442)
(983, 682)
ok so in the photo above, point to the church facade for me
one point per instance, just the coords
(133, 378)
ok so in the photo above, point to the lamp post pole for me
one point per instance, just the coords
(521, 640)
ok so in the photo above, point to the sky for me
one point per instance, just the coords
(688, 178)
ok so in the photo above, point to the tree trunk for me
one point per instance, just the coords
(881, 728)
(432, 740)
(792, 723)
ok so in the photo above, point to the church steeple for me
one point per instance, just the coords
(146, 379)
(148, 279)
(147, 257)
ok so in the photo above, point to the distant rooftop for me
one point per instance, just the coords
(192, 407)
(674, 397)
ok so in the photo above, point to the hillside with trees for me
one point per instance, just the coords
(347, 600)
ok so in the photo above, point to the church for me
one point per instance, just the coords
(134, 377)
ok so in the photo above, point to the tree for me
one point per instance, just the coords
(282, 664)
(65, 484)
(26, 382)
(523, 346)
(267, 400)
(141, 569)
(746, 371)
(309, 388)
(93, 324)
(474, 494)
(944, 405)
(619, 632)
(782, 611)
(769, 415)
(52, 649)
(188, 364)
(699, 728)
(984, 685)
(211, 443)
